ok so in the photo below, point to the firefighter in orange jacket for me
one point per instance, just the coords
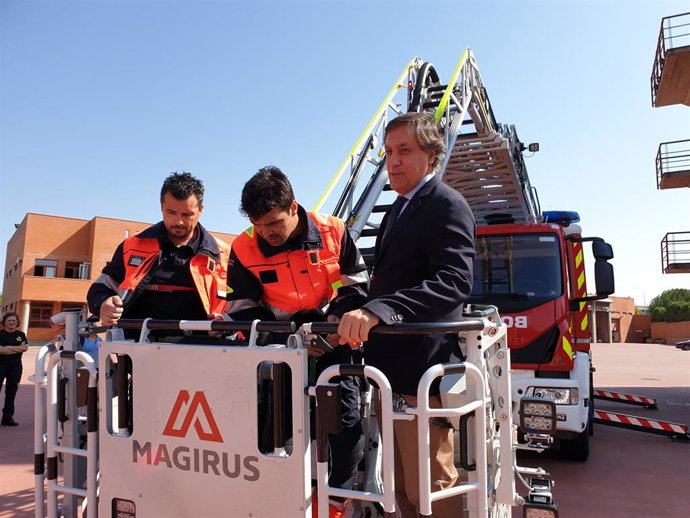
(301, 266)
(173, 270)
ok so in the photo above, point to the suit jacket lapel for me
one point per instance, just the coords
(412, 206)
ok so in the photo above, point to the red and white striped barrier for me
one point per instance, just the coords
(621, 397)
(676, 431)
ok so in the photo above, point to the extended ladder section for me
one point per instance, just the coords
(490, 173)
(484, 161)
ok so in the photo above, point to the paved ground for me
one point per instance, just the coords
(629, 474)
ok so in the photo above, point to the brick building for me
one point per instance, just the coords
(617, 319)
(52, 260)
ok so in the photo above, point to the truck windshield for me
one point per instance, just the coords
(518, 266)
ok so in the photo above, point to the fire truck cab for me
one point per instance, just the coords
(535, 274)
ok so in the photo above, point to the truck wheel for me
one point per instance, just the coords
(576, 449)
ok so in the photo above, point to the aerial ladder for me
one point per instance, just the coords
(484, 160)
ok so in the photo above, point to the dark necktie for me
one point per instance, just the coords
(396, 208)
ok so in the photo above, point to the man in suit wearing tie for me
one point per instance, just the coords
(422, 273)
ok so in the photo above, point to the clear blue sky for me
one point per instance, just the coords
(101, 100)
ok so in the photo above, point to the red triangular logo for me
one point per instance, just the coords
(198, 402)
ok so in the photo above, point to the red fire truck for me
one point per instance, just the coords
(534, 272)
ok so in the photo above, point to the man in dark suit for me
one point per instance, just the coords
(422, 273)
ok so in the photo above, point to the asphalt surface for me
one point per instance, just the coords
(628, 474)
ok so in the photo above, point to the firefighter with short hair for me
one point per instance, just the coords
(301, 266)
(174, 269)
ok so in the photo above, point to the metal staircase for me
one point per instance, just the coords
(484, 161)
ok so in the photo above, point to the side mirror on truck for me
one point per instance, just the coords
(603, 270)
(603, 278)
(602, 250)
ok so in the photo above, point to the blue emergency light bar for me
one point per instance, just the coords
(561, 217)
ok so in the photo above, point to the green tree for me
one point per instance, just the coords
(671, 306)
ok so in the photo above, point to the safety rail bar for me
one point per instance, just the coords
(403, 329)
(675, 252)
(424, 414)
(39, 379)
(72, 476)
(387, 497)
(291, 327)
(207, 325)
(666, 35)
(672, 158)
(480, 352)
(52, 442)
(147, 325)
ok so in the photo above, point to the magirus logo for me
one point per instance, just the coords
(187, 411)
(195, 410)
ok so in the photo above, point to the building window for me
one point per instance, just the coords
(40, 314)
(75, 270)
(71, 270)
(45, 268)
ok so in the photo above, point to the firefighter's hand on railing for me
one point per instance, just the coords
(111, 310)
(355, 325)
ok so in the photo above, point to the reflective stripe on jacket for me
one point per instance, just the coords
(140, 254)
(296, 280)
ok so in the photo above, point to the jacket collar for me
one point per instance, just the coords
(309, 239)
(206, 244)
(416, 200)
(412, 207)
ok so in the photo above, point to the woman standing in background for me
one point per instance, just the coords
(13, 344)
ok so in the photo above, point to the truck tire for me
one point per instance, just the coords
(576, 449)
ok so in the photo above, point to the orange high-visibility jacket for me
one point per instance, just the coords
(140, 253)
(296, 280)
